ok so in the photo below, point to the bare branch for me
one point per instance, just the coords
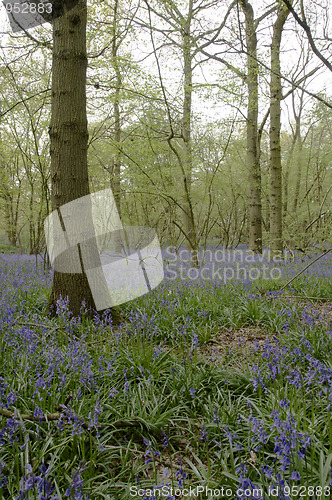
(307, 29)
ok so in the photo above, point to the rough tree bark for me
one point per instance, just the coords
(115, 180)
(189, 219)
(253, 164)
(69, 136)
(276, 243)
(68, 148)
(298, 150)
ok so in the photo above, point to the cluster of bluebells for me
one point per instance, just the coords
(75, 490)
(9, 433)
(3, 477)
(246, 489)
(297, 365)
(180, 473)
(49, 368)
(149, 453)
(259, 435)
(143, 323)
(228, 435)
(38, 484)
(204, 435)
(287, 440)
(7, 397)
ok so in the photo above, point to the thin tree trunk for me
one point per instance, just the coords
(299, 164)
(276, 243)
(253, 164)
(298, 151)
(189, 221)
(32, 235)
(11, 225)
(116, 170)
(286, 178)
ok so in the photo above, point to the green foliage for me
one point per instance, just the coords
(211, 380)
(8, 248)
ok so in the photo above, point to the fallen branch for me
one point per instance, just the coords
(49, 327)
(47, 418)
(134, 422)
(23, 416)
(326, 299)
(298, 274)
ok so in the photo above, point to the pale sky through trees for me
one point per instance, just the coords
(216, 107)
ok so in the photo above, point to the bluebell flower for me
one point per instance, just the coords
(180, 474)
(216, 419)
(267, 471)
(165, 439)
(3, 477)
(113, 392)
(204, 434)
(149, 452)
(284, 403)
(75, 490)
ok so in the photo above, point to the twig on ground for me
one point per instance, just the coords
(23, 416)
(326, 299)
(49, 327)
(298, 274)
(135, 422)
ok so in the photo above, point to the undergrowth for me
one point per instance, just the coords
(158, 408)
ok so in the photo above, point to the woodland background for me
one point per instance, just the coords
(179, 107)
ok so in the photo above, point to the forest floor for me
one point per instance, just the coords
(210, 388)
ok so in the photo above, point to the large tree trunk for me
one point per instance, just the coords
(253, 164)
(276, 243)
(69, 136)
(68, 149)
